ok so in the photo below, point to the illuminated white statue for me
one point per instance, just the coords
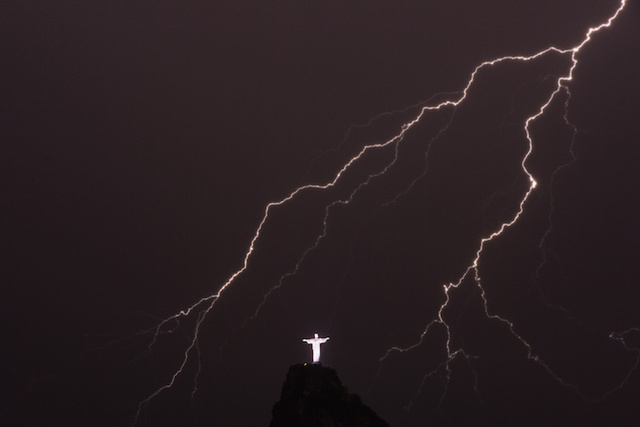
(315, 346)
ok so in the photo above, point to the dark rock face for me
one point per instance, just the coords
(312, 396)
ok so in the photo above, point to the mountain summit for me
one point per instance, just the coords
(313, 396)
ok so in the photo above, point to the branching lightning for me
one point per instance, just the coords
(204, 306)
(561, 85)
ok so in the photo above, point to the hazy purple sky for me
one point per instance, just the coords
(142, 140)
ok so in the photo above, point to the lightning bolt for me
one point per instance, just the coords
(342, 193)
(472, 269)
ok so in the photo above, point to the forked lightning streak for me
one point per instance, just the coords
(204, 306)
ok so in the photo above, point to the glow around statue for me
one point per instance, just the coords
(315, 346)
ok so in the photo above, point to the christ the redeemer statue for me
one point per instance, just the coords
(315, 346)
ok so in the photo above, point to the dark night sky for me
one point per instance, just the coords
(142, 140)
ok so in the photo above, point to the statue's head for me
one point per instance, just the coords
(316, 335)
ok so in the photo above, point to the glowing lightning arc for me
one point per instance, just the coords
(204, 306)
(561, 85)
